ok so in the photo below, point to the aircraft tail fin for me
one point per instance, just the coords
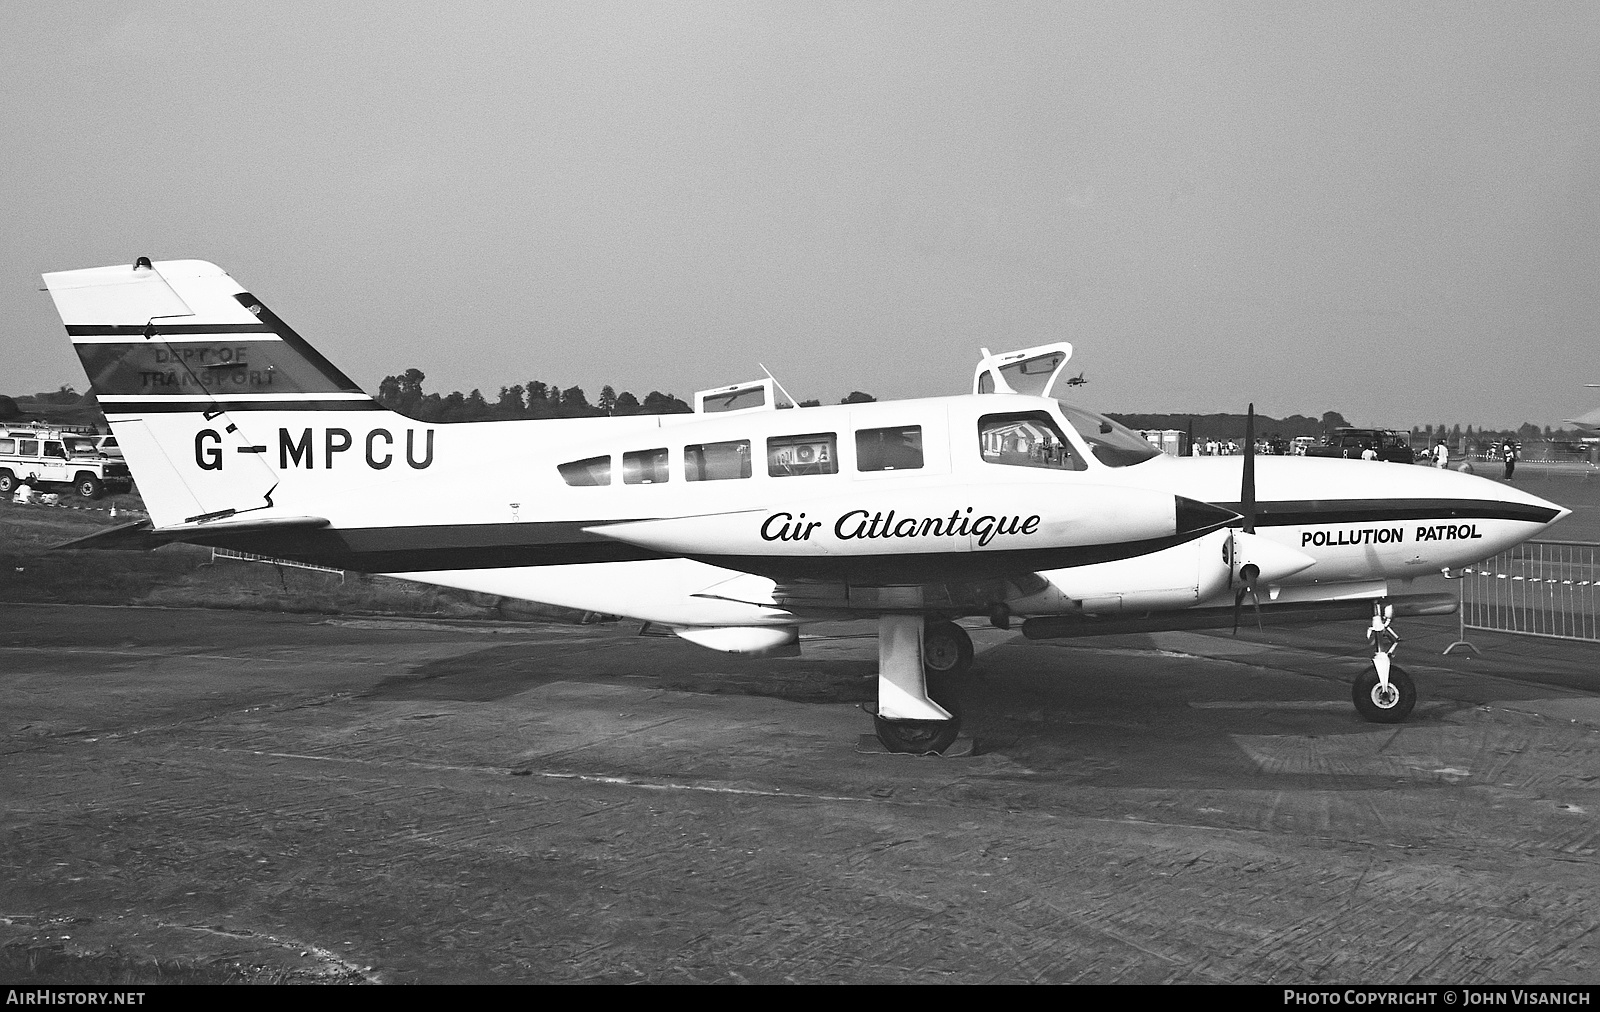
(181, 335)
(196, 377)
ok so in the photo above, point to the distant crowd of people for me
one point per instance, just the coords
(1439, 456)
(1505, 452)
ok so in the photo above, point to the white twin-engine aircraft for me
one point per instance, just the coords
(736, 525)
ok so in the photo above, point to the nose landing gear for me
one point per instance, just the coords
(1384, 694)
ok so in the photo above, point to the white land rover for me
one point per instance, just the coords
(43, 455)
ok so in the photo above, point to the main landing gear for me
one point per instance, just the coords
(946, 649)
(907, 720)
(1383, 694)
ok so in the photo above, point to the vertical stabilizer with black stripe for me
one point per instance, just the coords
(193, 374)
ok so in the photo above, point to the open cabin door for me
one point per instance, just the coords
(1032, 371)
(755, 395)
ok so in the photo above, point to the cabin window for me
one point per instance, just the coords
(812, 453)
(892, 449)
(1026, 439)
(644, 467)
(717, 461)
(8, 446)
(28, 447)
(588, 471)
(54, 449)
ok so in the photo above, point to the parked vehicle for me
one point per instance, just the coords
(1351, 442)
(43, 456)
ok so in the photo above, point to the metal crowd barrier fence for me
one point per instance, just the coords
(1538, 588)
(228, 553)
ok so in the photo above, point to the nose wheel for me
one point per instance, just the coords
(1384, 702)
(1383, 694)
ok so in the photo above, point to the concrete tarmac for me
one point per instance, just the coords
(210, 795)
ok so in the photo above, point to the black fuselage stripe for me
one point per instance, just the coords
(547, 543)
(390, 555)
(1310, 512)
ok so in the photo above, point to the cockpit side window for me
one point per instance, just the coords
(1113, 444)
(1026, 439)
(588, 471)
(717, 461)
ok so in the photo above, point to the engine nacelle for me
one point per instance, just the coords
(1177, 577)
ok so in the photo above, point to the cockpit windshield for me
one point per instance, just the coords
(1112, 444)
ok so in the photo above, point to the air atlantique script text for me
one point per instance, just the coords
(859, 524)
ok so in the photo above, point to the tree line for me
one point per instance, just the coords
(1231, 426)
(1222, 425)
(535, 399)
(404, 393)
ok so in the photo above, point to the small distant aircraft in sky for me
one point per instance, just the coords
(1076, 381)
(737, 525)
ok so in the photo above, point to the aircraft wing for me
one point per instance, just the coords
(820, 597)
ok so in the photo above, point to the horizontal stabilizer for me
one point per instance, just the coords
(233, 525)
(140, 536)
(135, 537)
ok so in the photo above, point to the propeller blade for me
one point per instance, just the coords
(1248, 574)
(1247, 491)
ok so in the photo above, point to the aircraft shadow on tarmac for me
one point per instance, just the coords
(1131, 716)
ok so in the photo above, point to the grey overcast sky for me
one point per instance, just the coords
(1387, 209)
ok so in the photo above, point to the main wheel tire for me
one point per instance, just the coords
(917, 737)
(89, 486)
(946, 649)
(8, 483)
(1384, 707)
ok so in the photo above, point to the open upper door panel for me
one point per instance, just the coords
(1032, 371)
